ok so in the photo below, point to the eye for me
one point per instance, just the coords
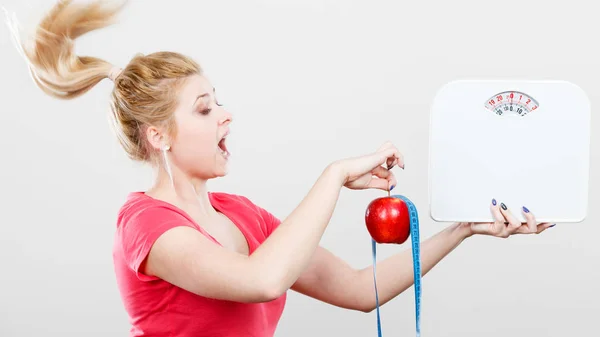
(205, 111)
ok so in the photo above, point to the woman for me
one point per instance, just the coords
(190, 262)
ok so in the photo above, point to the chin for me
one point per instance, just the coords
(222, 164)
(221, 172)
(217, 171)
(209, 175)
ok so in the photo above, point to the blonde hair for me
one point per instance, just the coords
(145, 90)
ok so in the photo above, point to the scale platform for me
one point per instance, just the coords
(524, 143)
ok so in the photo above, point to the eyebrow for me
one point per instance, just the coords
(201, 96)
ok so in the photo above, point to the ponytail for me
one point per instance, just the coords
(144, 92)
(53, 64)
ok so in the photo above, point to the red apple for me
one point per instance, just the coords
(388, 220)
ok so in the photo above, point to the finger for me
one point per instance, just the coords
(496, 228)
(396, 159)
(391, 162)
(380, 172)
(538, 228)
(385, 154)
(498, 216)
(543, 226)
(531, 223)
(513, 223)
(379, 183)
(499, 224)
(370, 162)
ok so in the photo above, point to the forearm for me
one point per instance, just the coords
(288, 250)
(395, 274)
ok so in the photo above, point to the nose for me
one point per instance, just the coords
(226, 118)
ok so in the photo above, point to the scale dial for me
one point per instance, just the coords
(514, 103)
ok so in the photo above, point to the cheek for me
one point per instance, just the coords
(196, 141)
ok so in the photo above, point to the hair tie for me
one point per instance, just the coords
(114, 73)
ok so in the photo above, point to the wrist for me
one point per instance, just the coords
(463, 230)
(335, 172)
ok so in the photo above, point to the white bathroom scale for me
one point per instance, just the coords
(523, 143)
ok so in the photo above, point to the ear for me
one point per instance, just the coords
(156, 138)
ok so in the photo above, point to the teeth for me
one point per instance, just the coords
(224, 153)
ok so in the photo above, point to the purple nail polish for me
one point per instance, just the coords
(552, 226)
(391, 188)
(525, 209)
(494, 202)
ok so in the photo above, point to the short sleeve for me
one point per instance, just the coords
(140, 231)
(271, 221)
(268, 221)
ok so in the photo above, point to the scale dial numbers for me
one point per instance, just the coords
(514, 103)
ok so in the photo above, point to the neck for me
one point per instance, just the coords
(183, 190)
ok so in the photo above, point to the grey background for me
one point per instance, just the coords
(296, 75)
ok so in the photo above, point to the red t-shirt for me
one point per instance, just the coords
(159, 309)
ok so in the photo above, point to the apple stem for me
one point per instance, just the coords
(389, 189)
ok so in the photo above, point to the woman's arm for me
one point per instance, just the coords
(184, 257)
(333, 281)
(187, 259)
(395, 274)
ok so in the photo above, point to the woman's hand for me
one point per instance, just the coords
(506, 224)
(366, 171)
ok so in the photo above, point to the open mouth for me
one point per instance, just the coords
(223, 147)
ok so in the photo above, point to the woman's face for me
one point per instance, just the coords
(198, 149)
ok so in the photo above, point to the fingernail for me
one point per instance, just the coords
(503, 206)
(494, 202)
(391, 188)
(525, 209)
(552, 226)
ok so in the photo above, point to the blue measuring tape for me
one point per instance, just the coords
(416, 256)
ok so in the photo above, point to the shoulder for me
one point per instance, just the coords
(236, 202)
(140, 210)
(230, 199)
(247, 208)
(141, 221)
